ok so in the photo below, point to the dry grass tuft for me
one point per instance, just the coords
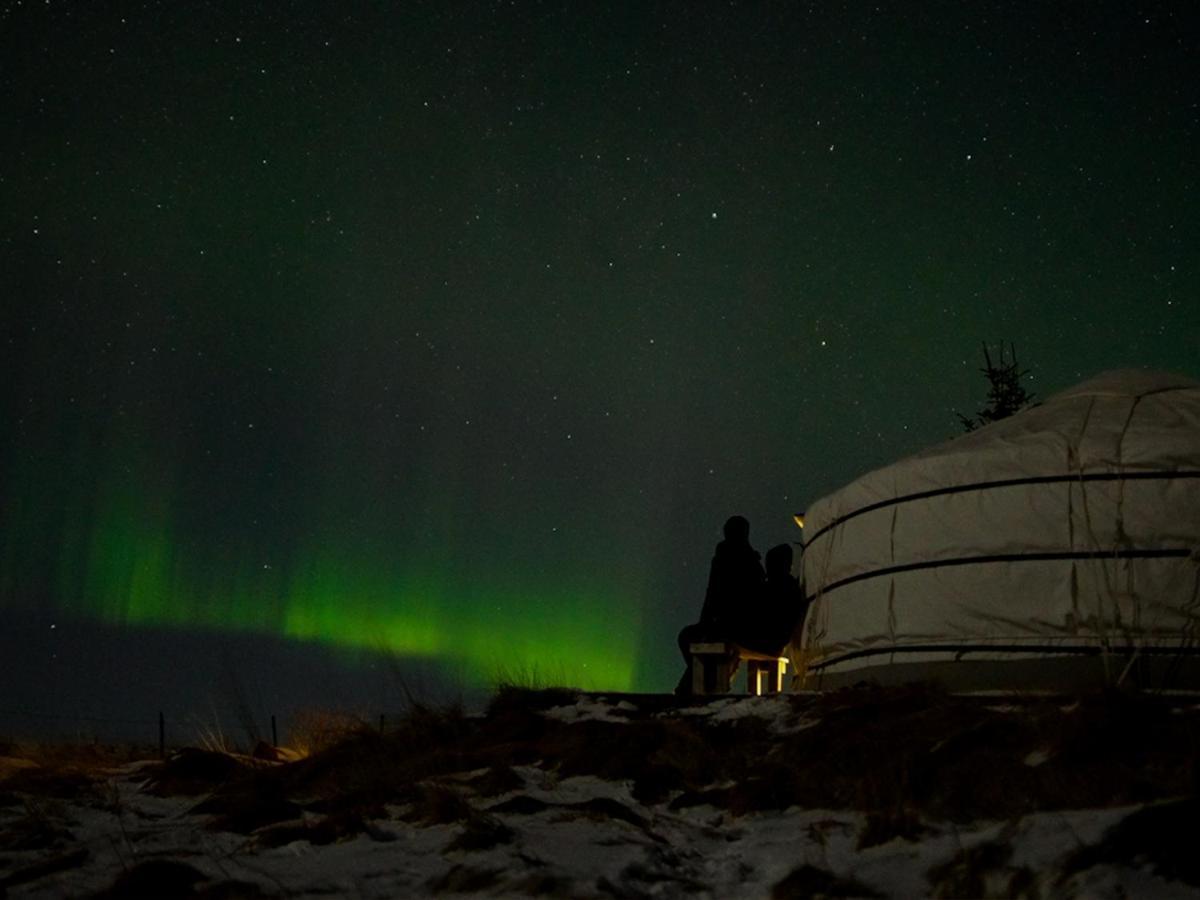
(437, 804)
(497, 780)
(61, 770)
(909, 753)
(316, 730)
(982, 871)
(38, 828)
(190, 772)
(901, 756)
(509, 696)
(58, 783)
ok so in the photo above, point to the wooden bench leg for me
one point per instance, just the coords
(754, 677)
(724, 676)
(775, 675)
(711, 673)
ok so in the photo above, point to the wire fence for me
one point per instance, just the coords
(162, 729)
(18, 723)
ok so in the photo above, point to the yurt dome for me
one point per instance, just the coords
(1055, 549)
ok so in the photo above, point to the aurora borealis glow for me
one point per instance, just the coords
(456, 331)
(129, 556)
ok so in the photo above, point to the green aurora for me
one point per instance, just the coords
(127, 557)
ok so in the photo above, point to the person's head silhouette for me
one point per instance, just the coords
(779, 561)
(737, 530)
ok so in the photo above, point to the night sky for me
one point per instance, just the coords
(457, 330)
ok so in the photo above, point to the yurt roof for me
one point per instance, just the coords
(1121, 420)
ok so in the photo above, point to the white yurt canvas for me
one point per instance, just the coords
(1055, 549)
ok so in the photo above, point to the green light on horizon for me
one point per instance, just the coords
(124, 549)
(135, 575)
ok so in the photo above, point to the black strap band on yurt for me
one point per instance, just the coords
(1165, 553)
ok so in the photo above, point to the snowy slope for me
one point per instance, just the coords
(534, 829)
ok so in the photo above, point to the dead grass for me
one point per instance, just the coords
(61, 770)
(497, 780)
(369, 767)
(982, 871)
(316, 730)
(54, 782)
(38, 828)
(905, 754)
(78, 754)
(902, 756)
(191, 772)
(436, 804)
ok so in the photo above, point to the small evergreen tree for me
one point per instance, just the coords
(1006, 394)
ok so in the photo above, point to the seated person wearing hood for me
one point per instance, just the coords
(735, 584)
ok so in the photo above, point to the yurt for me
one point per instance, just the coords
(1057, 549)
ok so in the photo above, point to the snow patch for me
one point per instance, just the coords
(592, 710)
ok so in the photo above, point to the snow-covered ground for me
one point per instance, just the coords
(550, 835)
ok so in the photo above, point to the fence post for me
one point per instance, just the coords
(162, 736)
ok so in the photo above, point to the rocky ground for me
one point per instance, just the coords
(866, 793)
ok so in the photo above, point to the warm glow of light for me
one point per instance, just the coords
(798, 518)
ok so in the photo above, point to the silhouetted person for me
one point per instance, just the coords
(781, 608)
(735, 580)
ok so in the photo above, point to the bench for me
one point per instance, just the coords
(714, 662)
